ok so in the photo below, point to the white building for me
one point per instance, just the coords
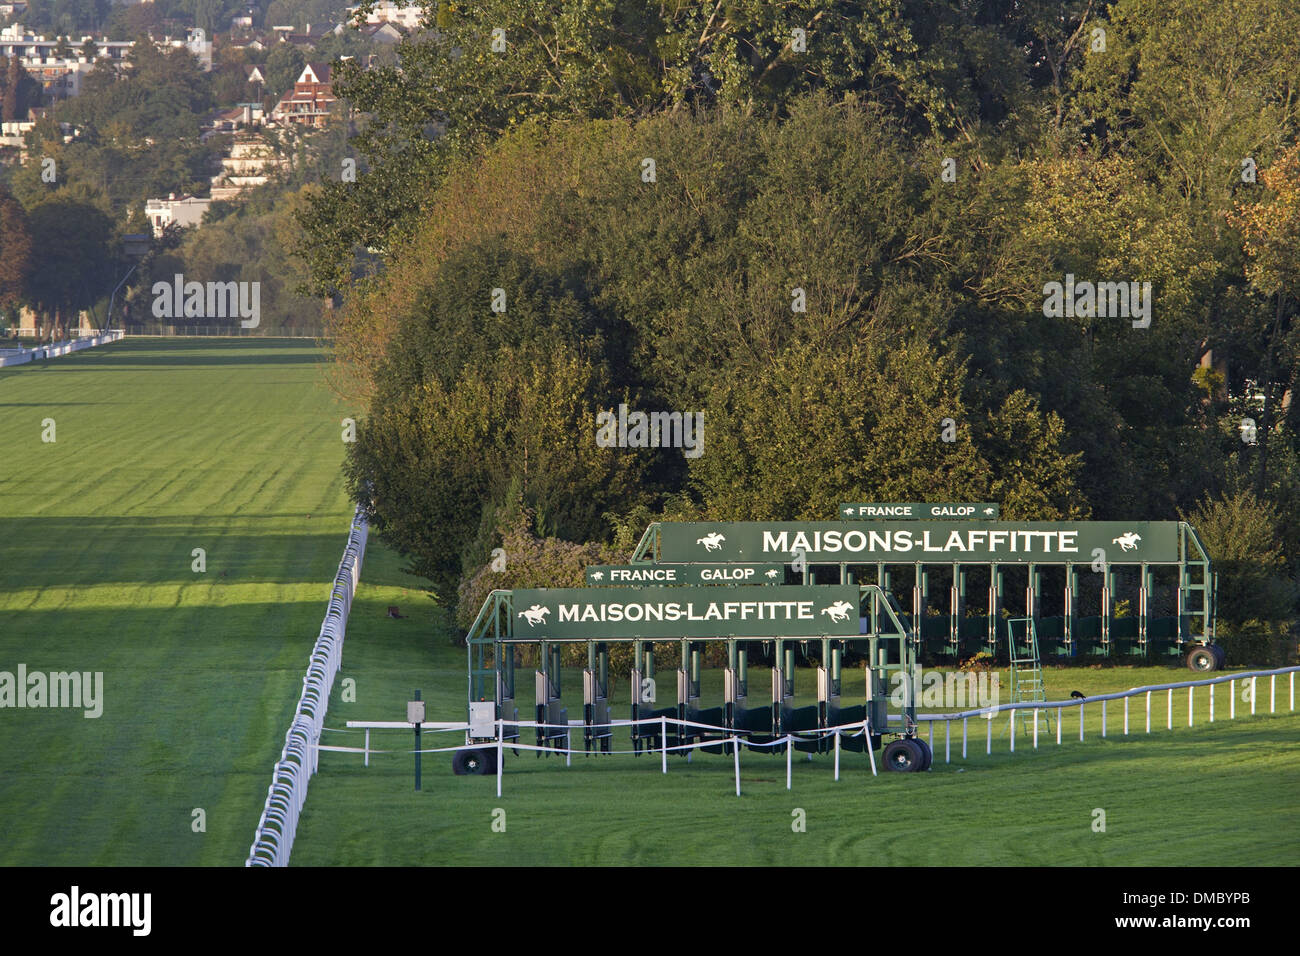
(62, 75)
(408, 18)
(250, 163)
(185, 211)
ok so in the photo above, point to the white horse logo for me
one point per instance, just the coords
(839, 611)
(772, 572)
(535, 615)
(711, 542)
(1127, 541)
(597, 575)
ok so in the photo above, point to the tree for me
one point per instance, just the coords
(1270, 229)
(74, 265)
(492, 66)
(18, 91)
(284, 64)
(1241, 534)
(15, 252)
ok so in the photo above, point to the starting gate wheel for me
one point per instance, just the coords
(1202, 658)
(1220, 654)
(471, 762)
(927, 755)
(902, 756)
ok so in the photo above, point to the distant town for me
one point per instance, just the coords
(258, 114)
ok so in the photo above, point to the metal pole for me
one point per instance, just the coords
(1191, 704)
(1254, 685)
(663, 742)
(988, 746)
(1103, 719)
(789, 749)
(947, 741)
(501, 754)
(367, 746)
(1058, 726)
(417, 749)
(1035, 728)
(1148, 711)
(1081, 723)
(1012, 729)
(1125, 716)
(1211, 703)
(1232, 700)
(963, 737)
(735, 750)
(1169, 712)
(837, 755)
(1272, 693)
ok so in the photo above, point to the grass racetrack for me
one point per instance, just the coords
(1159, 792)
(164, 446)
(161, 446)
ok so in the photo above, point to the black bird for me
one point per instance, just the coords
(1075, 694)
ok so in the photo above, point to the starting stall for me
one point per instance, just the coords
(773, 621)
(1104, 588)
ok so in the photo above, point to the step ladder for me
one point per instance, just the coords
(1026, 674)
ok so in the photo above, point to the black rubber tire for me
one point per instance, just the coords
(902, 756)
(1220, 654)
(1202, 659)
(465, 763)
(927, 754)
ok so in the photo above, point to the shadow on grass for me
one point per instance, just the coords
(51, 552)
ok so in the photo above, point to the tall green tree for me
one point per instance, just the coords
(15, 252)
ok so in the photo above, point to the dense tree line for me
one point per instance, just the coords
(843, 241)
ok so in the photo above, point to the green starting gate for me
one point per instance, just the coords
(770, 620)
(1141, 588)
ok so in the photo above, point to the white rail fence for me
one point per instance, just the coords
(737, 740)
(273, 841)
(988, 714)
(23, 356)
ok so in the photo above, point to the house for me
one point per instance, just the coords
(309, 102)
(185, 211)
(384, 33)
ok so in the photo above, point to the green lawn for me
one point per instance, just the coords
(162, 446)
(1157, 791)
(166, 446)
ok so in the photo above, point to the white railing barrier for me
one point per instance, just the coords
(734, 738)
(988, 713)
(273, 841)
(23, 356)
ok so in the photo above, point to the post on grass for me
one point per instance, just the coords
(415, 715)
